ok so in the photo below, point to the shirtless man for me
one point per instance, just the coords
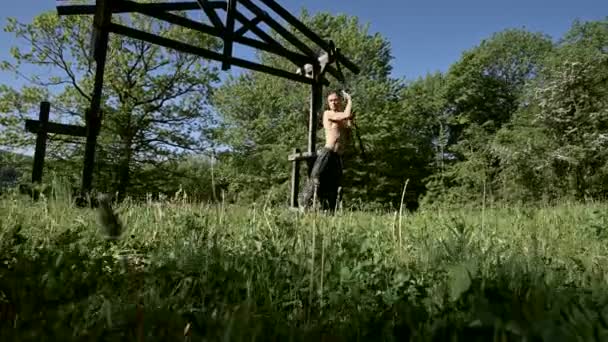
(326, 175)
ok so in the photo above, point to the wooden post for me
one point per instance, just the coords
(89, 152)
(310, 155)
(295, 179)
(315, 104)
(101, 23)
(43, 118)
(228, 33)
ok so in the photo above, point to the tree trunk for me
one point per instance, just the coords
(580, 183)
(124, 170)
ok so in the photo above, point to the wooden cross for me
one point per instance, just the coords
(42, 127)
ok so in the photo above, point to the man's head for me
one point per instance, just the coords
(334, 100)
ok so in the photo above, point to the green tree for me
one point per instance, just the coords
(483, 90)
(565, 122)
(154, 99)
(424, 129)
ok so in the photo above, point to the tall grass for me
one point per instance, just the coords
(185, 271)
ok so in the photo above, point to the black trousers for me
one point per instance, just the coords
(325, 178)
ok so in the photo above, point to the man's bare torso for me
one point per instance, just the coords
(337, 133)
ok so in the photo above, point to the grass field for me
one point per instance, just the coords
(186, 272)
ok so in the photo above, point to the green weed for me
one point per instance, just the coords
(192, 272)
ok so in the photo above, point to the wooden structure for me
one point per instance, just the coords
(304, 56)
(42, 127)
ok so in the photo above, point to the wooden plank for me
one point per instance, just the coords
(280, 29)
(211, 14)
(99, 37)
(179, 46)
(295, 180)
(228, 33)
(102, 22)
(118, 7)
(247, 26)
(287, 35)
(308, 33)
(158, 8)
(36, 126)
(301, 155)
(316, 94)
(274, 47)
(43, 117)
(263, 35)
(296, 58)
(175, 19)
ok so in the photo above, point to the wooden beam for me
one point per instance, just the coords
(43, 117)
(275, 47)
(295, 180)
(308, 33)
(175, 19)
(296, 58)
(280, 29)
(101, 22)
(287, 35)
(271, 45)
(99, 37)
(118, 7)
(228, 33)
(156, 8)
(299, 156)
(260, 33)
(211, 14)
(316, 95)
(248, 25)
(179, 46)
(37, 126)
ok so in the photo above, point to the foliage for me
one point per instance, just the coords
(533, 273)
(555, 147)
(154, 100)
(482, 91)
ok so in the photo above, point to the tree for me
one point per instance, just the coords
(155, 100)
(421, 134)
(565, 122)
(483, 90)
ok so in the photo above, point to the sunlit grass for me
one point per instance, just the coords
(230, 272)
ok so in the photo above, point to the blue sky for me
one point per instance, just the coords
(425, 35)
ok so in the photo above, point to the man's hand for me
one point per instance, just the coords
(349, 104)
(346, 96)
